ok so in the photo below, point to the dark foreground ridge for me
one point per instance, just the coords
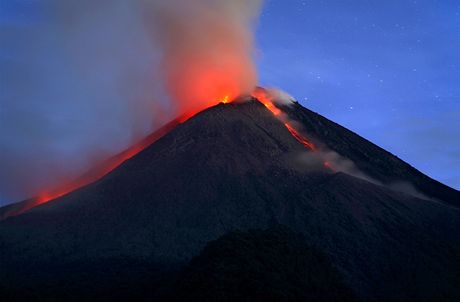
(272, 265)
(234, 167)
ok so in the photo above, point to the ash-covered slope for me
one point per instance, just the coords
(232, 167)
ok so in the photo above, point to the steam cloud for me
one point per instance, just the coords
(90, 78)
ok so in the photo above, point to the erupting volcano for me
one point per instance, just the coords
(260, 94)
(228, 191)
(224, 178)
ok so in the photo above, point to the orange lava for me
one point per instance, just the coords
(91, 176)
(265, 98)
(225, 99)
(109, 165)
(300, 138)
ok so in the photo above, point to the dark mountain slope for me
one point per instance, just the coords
(230, 167)
(369, 158)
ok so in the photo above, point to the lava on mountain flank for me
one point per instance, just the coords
(104, 168)
(268, 100)
(92, 175)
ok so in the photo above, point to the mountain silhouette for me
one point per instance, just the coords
(385, 231)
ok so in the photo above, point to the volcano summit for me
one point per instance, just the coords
(230, 204)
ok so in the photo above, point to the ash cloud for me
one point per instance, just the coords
(89, 78)
(337, 163)
(308, 161)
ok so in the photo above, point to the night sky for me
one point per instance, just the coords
(388, 70)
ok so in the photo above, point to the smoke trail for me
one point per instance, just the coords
(89, 78)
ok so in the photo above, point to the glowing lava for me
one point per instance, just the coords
(107, 166)
(225, 99)
(93, 175)
(300, 138)
(265, 98)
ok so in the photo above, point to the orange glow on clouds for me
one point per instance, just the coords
(197, 87)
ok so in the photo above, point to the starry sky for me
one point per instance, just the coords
(388, 70)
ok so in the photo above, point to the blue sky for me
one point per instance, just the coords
(388, 70)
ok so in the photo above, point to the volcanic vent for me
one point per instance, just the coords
(241, 166)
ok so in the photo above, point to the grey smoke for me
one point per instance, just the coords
(90, 78)
(308, 161)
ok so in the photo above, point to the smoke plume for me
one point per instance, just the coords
(86, 79)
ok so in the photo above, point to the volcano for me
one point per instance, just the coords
(237, 193)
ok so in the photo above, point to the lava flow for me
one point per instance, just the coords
(92, 175)
(300, 138)
(263, 96)
(105, 167)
